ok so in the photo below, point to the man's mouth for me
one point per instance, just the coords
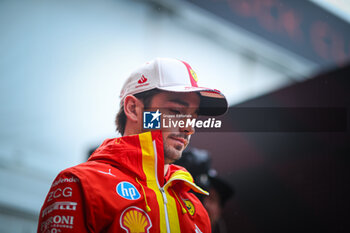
(181, 140)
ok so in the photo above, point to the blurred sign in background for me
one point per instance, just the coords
(63, 63)
(298, 26)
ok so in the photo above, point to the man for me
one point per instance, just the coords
(128, 184)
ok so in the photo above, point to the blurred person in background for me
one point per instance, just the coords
(129, 184)
(219, 193)
(197, 162)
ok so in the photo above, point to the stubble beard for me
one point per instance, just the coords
(172, 154)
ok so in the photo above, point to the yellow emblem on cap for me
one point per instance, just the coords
(194, 75)
(134, 219)
(190, 206)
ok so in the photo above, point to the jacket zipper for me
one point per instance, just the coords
(165, 200)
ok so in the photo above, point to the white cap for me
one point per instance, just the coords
(173, 75)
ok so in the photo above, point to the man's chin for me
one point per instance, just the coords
(172, 155)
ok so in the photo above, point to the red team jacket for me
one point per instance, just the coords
(122, 188)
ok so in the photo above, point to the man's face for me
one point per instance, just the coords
(177, 138)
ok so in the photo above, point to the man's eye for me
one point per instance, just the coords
(174, 111)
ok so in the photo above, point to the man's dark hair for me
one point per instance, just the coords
(145, 97)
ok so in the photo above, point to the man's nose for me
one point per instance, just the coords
(187, 129)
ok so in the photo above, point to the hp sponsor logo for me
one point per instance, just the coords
(128, 191)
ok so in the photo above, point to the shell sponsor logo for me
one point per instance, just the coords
(135, 220)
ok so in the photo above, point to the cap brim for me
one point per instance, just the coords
(213, 102)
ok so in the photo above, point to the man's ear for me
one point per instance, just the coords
(132, 108)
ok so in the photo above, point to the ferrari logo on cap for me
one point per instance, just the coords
(134, 219)
(194, 75)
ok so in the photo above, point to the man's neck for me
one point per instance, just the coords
(166, 167)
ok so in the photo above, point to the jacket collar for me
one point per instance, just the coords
(142, 156)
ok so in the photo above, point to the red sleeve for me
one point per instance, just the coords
(64, 209)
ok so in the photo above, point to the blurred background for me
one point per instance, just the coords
(63, 62)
